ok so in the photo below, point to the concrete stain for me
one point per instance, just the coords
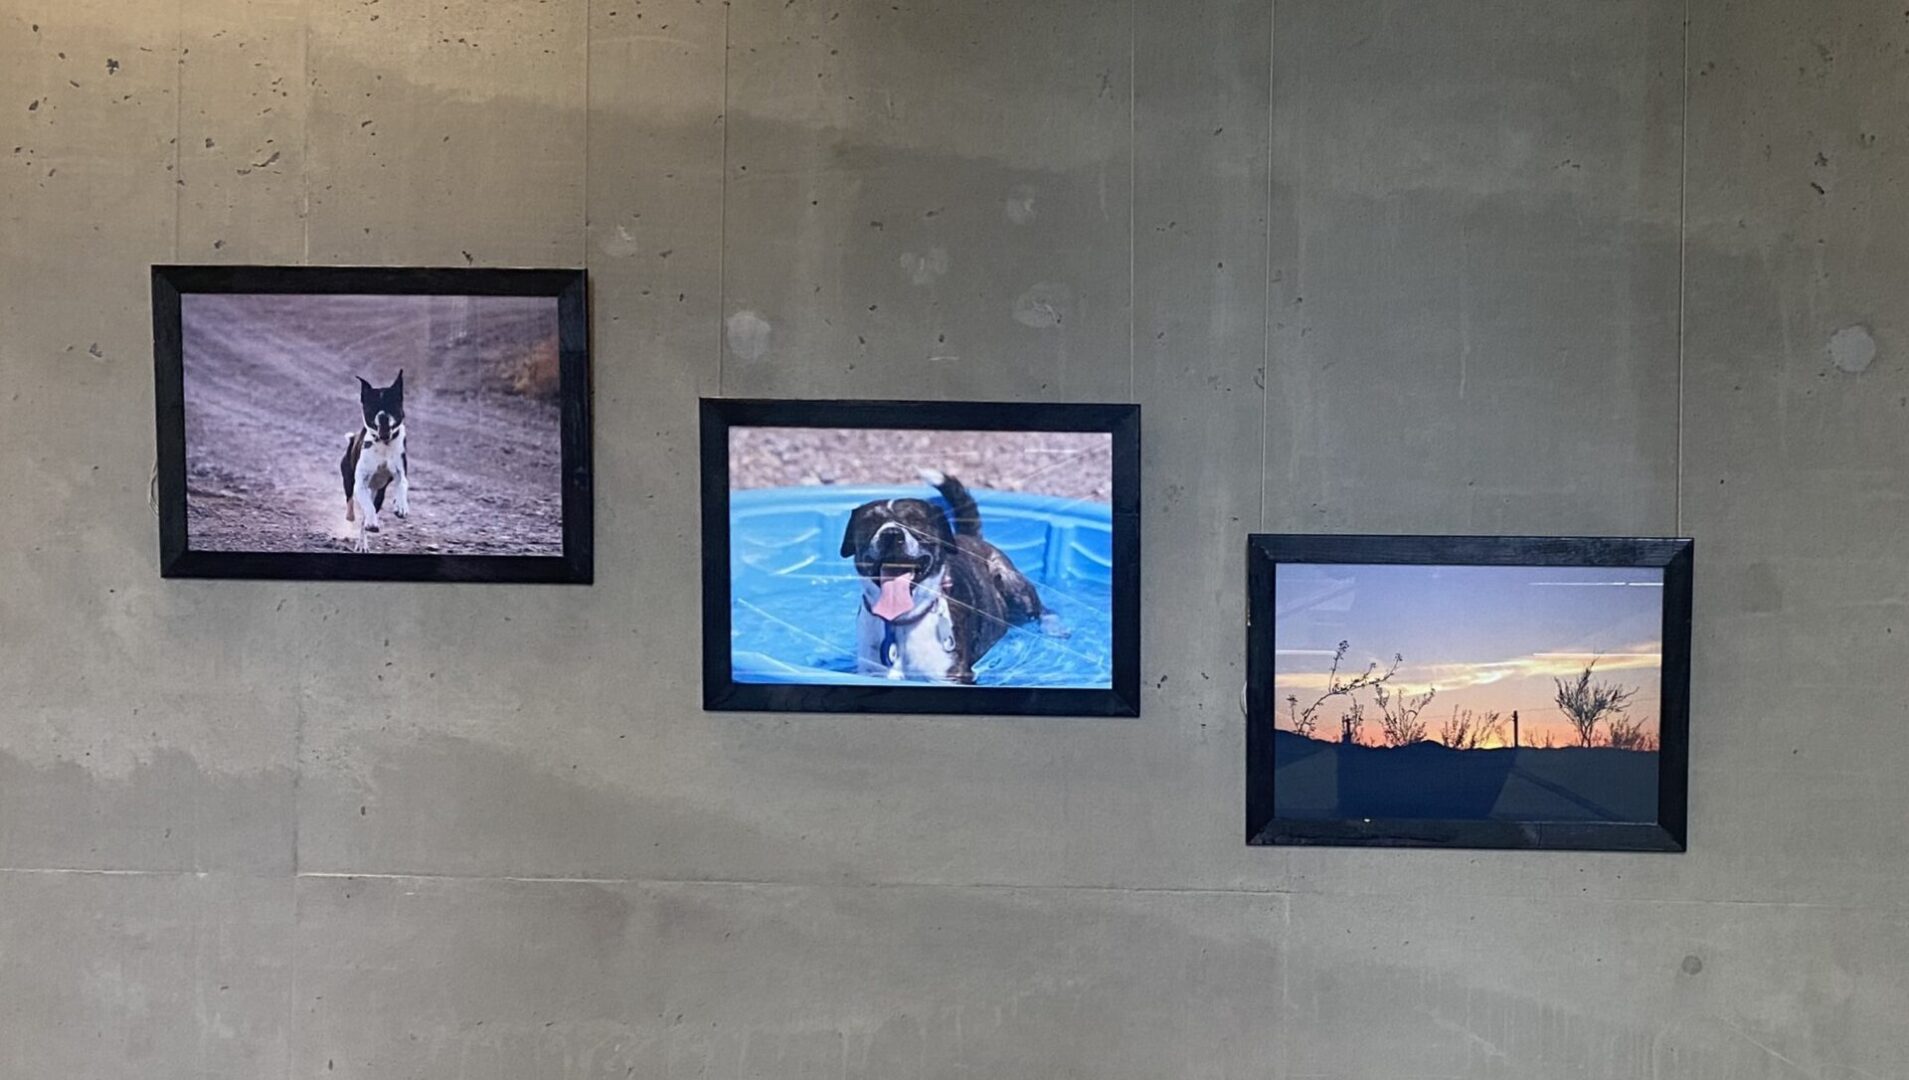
(1043, 306)
(924, 269)
(619, 243)
(747, 334)
(1020, 204)
(1852, 349)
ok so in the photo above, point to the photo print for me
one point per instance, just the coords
(892, 556)
(1444, 701)
(378, 423)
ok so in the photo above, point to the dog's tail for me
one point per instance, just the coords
(967, 516)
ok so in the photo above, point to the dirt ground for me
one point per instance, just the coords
(1072, 465)
(272, 395)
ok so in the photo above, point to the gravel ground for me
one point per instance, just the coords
(1073, 465)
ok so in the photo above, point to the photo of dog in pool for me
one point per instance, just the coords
(372, 424)
(892, 556)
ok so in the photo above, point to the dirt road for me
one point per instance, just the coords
(272, 396)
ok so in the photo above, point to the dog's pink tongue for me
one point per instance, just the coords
(897, 599)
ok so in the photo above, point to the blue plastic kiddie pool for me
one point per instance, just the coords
(794, 598)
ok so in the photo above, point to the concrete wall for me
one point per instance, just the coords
(1444, 265)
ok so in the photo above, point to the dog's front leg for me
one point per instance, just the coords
(401, 495)
(367, 517)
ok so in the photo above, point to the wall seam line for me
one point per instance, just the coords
(1056, 887)
(178, 129)
(1266, 306)
(722, 214)
(985, 886)
(1683, 260)
(305, 136)
(294, 1020)
(1133, 191)
(583, 255)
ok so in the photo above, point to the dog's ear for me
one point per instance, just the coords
(849, 544)
(398, 383)
(365, 389)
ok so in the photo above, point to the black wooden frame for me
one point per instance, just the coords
(569, 287)
(720, 690)
(1673, 556)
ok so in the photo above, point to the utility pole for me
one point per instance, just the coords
(1514, 729)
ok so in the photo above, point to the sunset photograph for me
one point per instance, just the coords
(1490, 693)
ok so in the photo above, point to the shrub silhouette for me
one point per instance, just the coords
(1586, 702)
(1399, 715)
(1628, 734)
(1468, 730)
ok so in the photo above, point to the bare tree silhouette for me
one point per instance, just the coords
(1399, 715)
(1468, 730)
(1585, 702)
(1306, 725)
(1309, 715)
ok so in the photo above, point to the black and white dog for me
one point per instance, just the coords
(375, 461)
(935, 596)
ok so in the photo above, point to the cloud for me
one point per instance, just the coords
(1418, 678)
(1596, 584)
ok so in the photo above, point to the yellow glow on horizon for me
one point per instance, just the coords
(1416, 679)
(1521, 684)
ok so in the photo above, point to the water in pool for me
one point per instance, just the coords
(795, 599)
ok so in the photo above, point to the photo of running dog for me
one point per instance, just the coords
(960, 558)
(372, 424)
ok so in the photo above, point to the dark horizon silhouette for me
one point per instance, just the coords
(1325, 779)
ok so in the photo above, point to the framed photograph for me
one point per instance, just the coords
(921, 557)
(1468, 692)
(373, 424)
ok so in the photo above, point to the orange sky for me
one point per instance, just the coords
(1484, 638)
(1521, 683)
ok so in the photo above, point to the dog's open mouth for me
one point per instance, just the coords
(898, 590)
